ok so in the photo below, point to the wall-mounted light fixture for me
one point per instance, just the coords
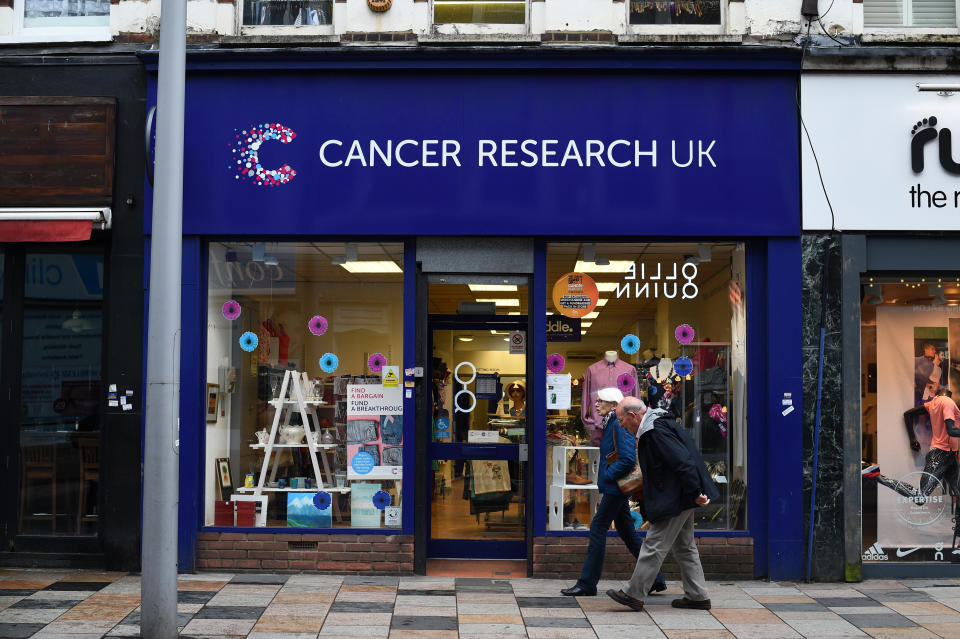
(944, 90)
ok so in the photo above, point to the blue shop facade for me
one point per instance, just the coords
(405, 280)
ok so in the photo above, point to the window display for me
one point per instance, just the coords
(304, 346)
(910, 336)
(667, 324)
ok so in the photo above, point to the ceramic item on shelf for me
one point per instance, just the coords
(327, 437)
(314, 436)
(291, 434)
(262, 436)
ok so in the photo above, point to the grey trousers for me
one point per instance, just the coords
(676, 534)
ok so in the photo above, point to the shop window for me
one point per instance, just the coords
(59, 20)
(910, 368)
(910, 13)
(290, 14)
(480, 11)
(675, 12)
(663, 322)
(295, 330)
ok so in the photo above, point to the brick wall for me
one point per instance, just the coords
(358, 554)
(562, 558)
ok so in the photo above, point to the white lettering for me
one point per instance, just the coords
(525, 149)
(546, 151)
(572, 153)
(706, 152)
(506, 151)
(595, 150)
(488, 149)
(400, 145)
(451, 151)
(385, 157)
(652, 153)
(610, 153)
(355, 154)
(429, 153)
(323, 148)
(673, 143)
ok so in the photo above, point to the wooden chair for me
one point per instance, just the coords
(89, 447)
(38, 464)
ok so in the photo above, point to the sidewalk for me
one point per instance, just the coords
(80, 605)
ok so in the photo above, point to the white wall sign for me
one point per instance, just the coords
(886, 153)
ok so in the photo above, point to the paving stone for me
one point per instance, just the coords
(259, 579)
(414, 600)
(288, 623)
(492, 629)
(30, 615)
(230, 612)
(352, 630)
(560, 633)
(901, 633)
(361, 606)
(14, 592)
(628, 632)
(477, 584)
(219, 627)
(19, 630)
(485, 609)
(78, 585)
(796, 607)
(372, 580)
(762, 631)
(826, 628)
(415, 592)
(888, 596)
(41, 603)
(879, 620)
(282, 635)
(547, 602)
(423, 623)
(552, 612)
(846, 602)
(194, 596)
(556, 622)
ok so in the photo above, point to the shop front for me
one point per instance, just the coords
(894, 290)
(404, 286)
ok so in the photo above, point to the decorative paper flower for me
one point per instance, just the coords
(249, 341)
(630, 344)
(317, 325)
(684, 334)
(230, 309)
(652, 391)
(555, 363)
(683, 366)
(329, 363)
(625, 382)
(668, 396)
(322, 500)
(376, 362)
(381, 499)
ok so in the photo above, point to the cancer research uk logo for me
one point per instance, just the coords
(246, 154)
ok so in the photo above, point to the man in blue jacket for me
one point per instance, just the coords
(614, 506)
(675, 482)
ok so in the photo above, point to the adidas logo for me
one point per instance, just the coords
(875, 553)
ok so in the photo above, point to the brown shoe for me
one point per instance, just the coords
(624, 599)
(578, 480)
(690, 603)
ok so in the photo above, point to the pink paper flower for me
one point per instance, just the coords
(230, 309)
(555, 363)
(684, 334)
(317, 325)
(376, 362)
(625, 382)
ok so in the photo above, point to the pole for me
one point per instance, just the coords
(161, 455)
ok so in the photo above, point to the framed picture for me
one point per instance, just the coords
(213, 401)
(224, 478)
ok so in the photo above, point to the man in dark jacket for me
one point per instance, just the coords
(613, 505)
(675, 482)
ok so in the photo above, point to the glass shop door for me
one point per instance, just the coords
(478, 462)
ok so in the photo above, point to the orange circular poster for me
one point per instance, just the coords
(575, 295)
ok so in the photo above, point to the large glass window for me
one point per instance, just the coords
(304, 384)
(287, 13)
(910, 366)
(675, 12)
(61, 394)
(480, 11)
(66, 13)
(663, 322)
(909, 13)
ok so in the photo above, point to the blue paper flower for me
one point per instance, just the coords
(630, 344)
(249, 341)
(381, 499)
(322, 500)
(683, 366)
(329, 363)
(652, 391)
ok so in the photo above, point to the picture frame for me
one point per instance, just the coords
(224, 477)
(213, 402)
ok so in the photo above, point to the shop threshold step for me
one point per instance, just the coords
(489, 568)
(52, 560)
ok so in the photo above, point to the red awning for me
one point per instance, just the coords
(45, 230)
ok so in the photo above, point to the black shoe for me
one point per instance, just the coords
(578, 591)
(690, 603)
(624, 599)
(658, 586)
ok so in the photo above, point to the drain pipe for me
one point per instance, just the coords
(816, 427)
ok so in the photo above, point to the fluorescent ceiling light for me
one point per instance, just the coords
(586, 324)
(590, 316)
(465, 338)
(501, 302)
(506, 339)
(513, 313)
(372, 266)
(615, 266)
(493, 287)
(583, 332)
(607, 287)
(602, 302)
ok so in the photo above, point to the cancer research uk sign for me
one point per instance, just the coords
(886, 153)
(374, 431)
(440, 153)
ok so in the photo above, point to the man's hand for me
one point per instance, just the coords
(915, 445)
(703, 500)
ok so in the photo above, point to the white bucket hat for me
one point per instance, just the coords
(610, 394)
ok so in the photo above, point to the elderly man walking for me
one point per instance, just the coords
(675, 482)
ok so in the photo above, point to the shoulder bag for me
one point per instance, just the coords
(632, 482)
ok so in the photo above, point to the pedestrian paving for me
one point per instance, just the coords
(64, 604)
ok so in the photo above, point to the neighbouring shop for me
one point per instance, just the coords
(404, 285)
(71, 147)
(893, 307)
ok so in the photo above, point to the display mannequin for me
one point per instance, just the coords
(517, 393)
(941, 463)
(602, 374)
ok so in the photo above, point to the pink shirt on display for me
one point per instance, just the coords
(942, 408)
(599, 375)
